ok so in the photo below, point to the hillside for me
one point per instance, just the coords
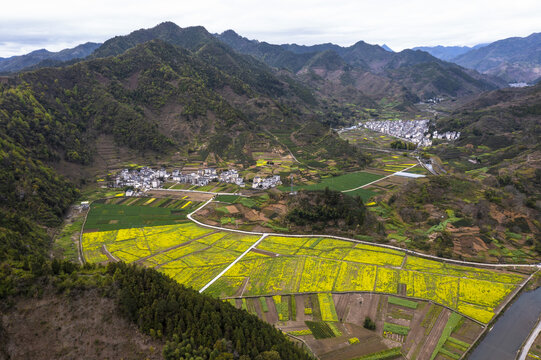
(514, 59)
(447, 53)
(42, 58)
(150, 311)
(155, 99)
(369, 69)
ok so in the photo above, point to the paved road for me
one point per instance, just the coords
(233, 263)
(529, 342)
(407, 251)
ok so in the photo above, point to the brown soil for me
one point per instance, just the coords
(253, 215)
(272, 314)
(416, 335)
(299, 302)
(340, 349)
(341, 303)
(433, 337)
(361, 306)
(82, 326)
(232, 209)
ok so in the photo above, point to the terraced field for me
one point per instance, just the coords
(326, 265)
(194, 255)
(188, 253)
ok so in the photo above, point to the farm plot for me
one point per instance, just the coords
(344, 182)
(190, 254)
(125, 213)
(327, 265)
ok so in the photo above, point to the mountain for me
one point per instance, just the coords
(372, 71)
(155, 98)
(385, 47)
(16, 63)
(514, 59)
(446, 53)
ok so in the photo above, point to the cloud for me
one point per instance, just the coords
(400, 24)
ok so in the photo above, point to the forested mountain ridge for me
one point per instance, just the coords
(43, 57)
(514, 59)
(407, 75)
(155, 97)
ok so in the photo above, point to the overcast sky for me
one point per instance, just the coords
(27, 25)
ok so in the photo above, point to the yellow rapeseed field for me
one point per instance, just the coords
(355, 277)
(387, 280)
(374, 257)
(482, 292)
(193, 255)
(326, 305)
(480, 313)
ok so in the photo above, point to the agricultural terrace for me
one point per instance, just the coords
(155, 232)
(188, 253)
(333, 326)
(303, 265)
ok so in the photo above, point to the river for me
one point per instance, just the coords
(510, 330)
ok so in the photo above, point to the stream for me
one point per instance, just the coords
(509, 332)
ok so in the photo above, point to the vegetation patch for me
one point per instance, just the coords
(395, 329)
(402, 302)
(107, 217)
(452, 323)
(319, 329)
(382, 355)
(300, 332)
(326, 304)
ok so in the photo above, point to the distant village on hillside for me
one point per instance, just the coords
(147, 178)
(415, 131)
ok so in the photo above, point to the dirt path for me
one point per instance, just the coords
(110, 256)
(434, 335)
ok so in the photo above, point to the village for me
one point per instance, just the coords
(146, 178)
(415, 131)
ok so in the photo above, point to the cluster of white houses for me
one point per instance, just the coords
(147, 178)
(415, 131)
(266, 183)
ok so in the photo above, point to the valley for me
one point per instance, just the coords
(215, 197)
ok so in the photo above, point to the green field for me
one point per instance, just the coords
(320, 329)
(402, 302)
(396, 329)
(106, 217)
(343, 182)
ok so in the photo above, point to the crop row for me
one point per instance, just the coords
(327, 265)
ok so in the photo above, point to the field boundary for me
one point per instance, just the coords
(375, 181)
(233, 263)
(364, 292)
(199, 191)
(406, 251)
(510, 298)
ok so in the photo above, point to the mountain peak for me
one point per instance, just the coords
(191, 38)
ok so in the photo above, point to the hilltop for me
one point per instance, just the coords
(514, 59)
